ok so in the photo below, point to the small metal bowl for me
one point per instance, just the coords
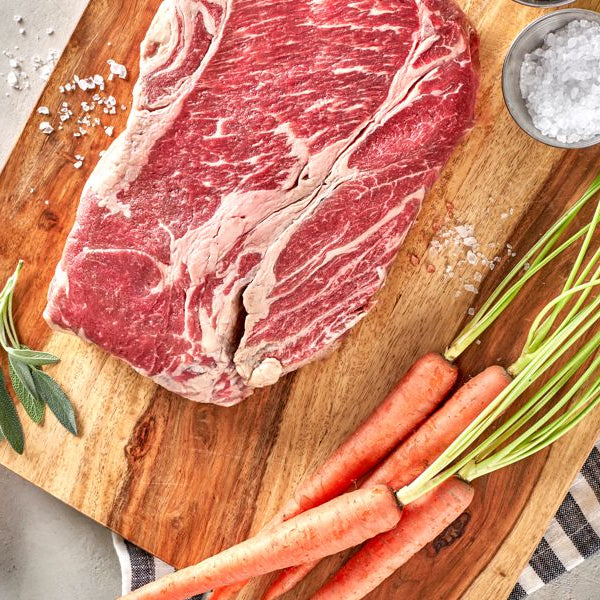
(544, 3)
(527, 41)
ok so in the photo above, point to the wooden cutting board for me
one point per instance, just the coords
(184, 480)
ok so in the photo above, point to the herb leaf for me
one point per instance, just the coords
(24, 387)
(56, 399)
(10, 424)
(33, 357)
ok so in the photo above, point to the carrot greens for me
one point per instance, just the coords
(568, 323)
(33, 387)
(542, 253)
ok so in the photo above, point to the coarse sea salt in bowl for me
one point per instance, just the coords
(551, 79)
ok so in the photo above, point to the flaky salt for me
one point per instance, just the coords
(46, 128)
(117, 69)
(560, 82)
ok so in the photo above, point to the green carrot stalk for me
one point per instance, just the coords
(542, 253)
(566, 397)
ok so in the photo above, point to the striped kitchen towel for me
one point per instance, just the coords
(573, 536)
(138, 567)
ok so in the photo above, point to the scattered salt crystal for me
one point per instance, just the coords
(117, 69)
(560, 82)
(78, 164)
(472, 258)
(43, 110)
(12, 80)
(471, 311)
(46, 128)
(469, 287)
(86, 84)
(504, 216)
(464, 230)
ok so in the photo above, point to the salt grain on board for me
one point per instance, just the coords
(117, 69)
(46, 128)
(459, 247)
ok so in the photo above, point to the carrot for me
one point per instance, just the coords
(422, 521)
(227, 592)
(415, 454)
(344, 522)
(419, 450)
(415, 396)
(288, 580)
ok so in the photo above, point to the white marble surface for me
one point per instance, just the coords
(47, 550)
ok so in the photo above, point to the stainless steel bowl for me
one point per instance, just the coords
(544, 3)
(529, 39)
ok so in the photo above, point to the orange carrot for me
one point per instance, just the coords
(227, 592)
(415, 396)
(415, 454)
(288, 580)
(344, 522)
(422, 521)
(419, 450)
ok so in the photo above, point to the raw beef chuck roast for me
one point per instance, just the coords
(276, 155)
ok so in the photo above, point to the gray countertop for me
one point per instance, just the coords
(48, 550)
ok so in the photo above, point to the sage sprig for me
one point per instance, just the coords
(33, 387)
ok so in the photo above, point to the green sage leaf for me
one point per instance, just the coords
(10, 424)
(22, 381)
(32, 357)
(56, 399)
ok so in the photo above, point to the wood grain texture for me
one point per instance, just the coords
(185, 480)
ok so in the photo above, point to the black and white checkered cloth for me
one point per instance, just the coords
(573, 536)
